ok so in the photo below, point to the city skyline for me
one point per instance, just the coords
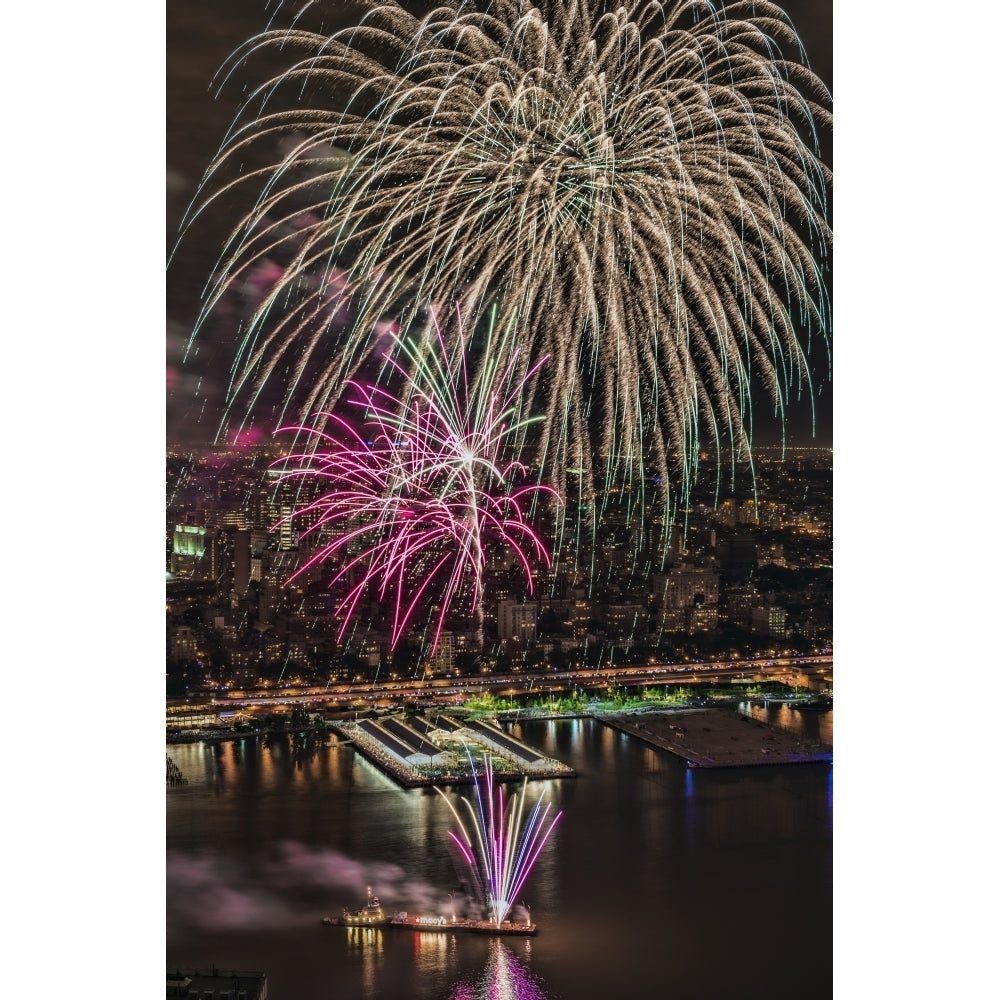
(246, 604)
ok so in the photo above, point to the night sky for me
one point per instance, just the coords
(199, 37)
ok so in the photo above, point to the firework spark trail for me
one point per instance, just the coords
(638, 183)
(430, 488)
(504, 851)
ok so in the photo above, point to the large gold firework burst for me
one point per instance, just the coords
(635, 186)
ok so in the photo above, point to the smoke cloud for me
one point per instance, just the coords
(212, 893)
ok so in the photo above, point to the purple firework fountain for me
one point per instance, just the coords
(506, 841)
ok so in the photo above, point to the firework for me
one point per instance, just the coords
(637, 182)
(505, 845)
(423, 486)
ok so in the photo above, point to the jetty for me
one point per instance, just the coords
(718, 737)
(426, 751)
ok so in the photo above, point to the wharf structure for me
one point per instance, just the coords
(442, 750)
(216, 984)
(716, 737)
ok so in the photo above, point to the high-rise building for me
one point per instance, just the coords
(194, 554)
(673, 619)
(442, 661)
(627, 619)
(241, 562)
(772, 555)
(217, 514)
(686, 586)
(769, 621)
(272, 593)
(738, 553)
(702, 618)
(277, 504)
(737, 603)
(183, 643)
(517, 620)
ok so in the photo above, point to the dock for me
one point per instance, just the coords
(423, 752)
(718, 737)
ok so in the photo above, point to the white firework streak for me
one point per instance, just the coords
(637, 184)
(502, 854)
(429, 489)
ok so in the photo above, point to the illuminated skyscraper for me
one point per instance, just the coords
(191, 553)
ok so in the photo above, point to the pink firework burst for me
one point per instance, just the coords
(425, 484)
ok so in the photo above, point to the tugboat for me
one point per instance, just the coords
(370, 915)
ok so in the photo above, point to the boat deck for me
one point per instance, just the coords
(442, 925)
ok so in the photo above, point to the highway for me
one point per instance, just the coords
(449, 690)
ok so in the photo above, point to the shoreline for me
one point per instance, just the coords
(704, 736)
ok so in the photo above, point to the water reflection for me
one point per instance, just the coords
(812, 725)
(504, 978)
(690, 810)
(219, 773)
(433, 954)
(366, 942)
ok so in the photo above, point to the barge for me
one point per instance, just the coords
(462, 925)
(372, 915)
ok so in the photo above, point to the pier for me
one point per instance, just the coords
(420, 752)
(718, 737)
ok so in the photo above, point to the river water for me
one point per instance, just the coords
(658, 881)
(810, 724)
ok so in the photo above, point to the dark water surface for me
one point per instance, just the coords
(813, 725)
(658, 881)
